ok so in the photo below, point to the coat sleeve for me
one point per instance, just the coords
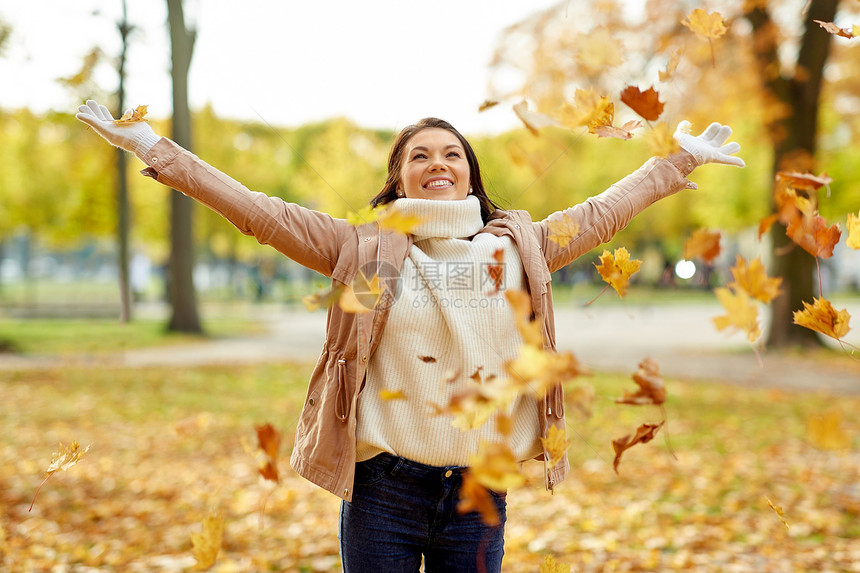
(310, 238)
(602, 216)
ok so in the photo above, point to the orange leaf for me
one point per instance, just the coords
(752, 279)
(475, 497)
(853, 225)
(616, 269)
(651, 387)
(742, 313)
(644, 434)
(647, 104)
(835, 30)
(813, 235)
(822, 317)
(269, 439)
(702, 243)
(132, 116)
(804, 180)
(765, 224)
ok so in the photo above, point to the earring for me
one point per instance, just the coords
(470, 190)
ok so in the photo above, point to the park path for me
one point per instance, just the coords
(611, 338)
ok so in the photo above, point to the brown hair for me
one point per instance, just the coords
(395, 164)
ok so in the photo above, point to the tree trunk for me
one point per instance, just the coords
(794, 143)
(123, 209)
(183, 298)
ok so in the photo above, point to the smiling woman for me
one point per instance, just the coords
(381, 426)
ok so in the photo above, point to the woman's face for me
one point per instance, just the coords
(434, 167)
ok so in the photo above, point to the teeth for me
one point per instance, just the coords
(438, 184)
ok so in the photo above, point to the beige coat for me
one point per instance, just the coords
(325, 445)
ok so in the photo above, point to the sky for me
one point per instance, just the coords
(382, 63)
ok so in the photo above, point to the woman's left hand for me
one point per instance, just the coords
(709, 146)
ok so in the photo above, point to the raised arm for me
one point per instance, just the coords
(309, 237)
(602, 216)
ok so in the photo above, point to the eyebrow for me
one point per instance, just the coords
(449, 146)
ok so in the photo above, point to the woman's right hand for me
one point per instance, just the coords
(136, 137)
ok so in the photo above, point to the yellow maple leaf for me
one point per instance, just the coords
(324, 298)
(130, 116)
(753, 279)
(588, 109)
(550, 565)
(853, 225)
(495, 467)
(825, 431)
(742, 313)
(391, 395)
(706, 26)
(671, 66)
(536, 370)
(207, 543)
(366, 214)
(617, 268)
(61, 460)
(562, 229)
(660, 140)
(556, 444)
(476, 497)
(598, 50)
(393, 219)
(820, 316)
(530, 330)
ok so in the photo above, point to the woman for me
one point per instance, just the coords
(445, 323)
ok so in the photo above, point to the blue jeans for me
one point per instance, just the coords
(401, 510)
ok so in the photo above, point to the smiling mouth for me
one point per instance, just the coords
(439, 184)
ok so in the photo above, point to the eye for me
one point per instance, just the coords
(419, 155)
(454, 154)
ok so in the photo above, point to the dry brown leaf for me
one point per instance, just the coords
(822, 317)
(647, 104)
(487, 104)
(644, 434)
(778, 510)
(269, 440)
(814, 236)
(623, 132)
(61, 460)
(652, 390)
(806, 181)
(832, 28)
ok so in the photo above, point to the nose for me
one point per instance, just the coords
(437, 164)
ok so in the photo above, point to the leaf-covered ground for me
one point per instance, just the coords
(167, 448)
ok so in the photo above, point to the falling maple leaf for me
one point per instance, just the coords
(803, 180)
(538, 370)
(207, 543)
(550, 565)
(752, 279)
(598, 50)
(778, 511)
(366, 214)
(269, 441)
(587, 110)
(706, 26)
(813, 235)
(476, 497)
(702, 243)
(853, 225)
(61, 460)
(647, 104)
(651, 387)
(533, 120)
(130, 116)
(661, 141)
(617, 268)
(387, 395)
(487, 104)
(623, 132)
(562, 229)
(324, 298)
(826, 432)
(742, 313)
(362, 295)
(556, 444)
(832, 28)
(766, 223)
(496, 270)
(495, 467)
(391, 218)
(644, 434)
(530, 330)
(822, 317)
(671, 66)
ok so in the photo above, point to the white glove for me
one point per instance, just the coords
(136, 137)
(708, 147)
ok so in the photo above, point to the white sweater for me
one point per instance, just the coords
(449, 327)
